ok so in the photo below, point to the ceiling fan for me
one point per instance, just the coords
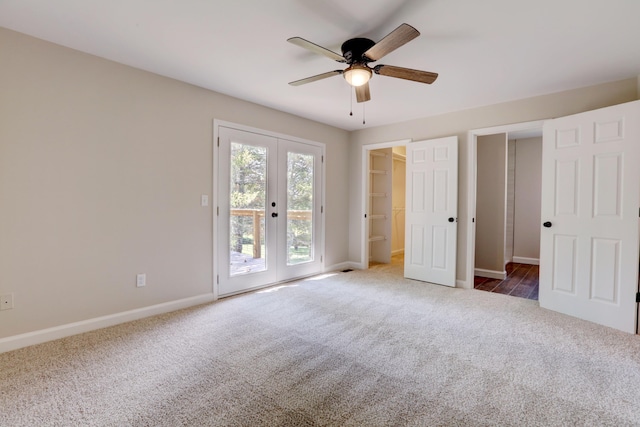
(359, 52)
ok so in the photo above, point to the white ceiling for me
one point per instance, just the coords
(486, 52)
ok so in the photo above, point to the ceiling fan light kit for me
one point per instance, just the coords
(357, 75)
(358, 53)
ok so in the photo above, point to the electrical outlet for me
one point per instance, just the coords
(141, 280)
(6, 302)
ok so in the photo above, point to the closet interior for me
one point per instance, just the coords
(387, 178)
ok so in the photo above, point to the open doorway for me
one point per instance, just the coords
(384, 177)
(505, 209)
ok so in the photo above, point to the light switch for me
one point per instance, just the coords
(204, 200)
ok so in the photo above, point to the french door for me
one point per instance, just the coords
(591, 195)
(270, 206)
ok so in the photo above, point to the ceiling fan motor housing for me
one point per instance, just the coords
(353, 50)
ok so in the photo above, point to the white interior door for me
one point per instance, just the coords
(431, 211)
(590, 201)
(269, 210)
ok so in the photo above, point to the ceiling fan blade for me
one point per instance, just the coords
(396, 38)
(406, 73)
(362, 93)
(316, 78)
(306, 44)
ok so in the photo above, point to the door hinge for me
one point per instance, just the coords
(218, 141)
(218, 279)
(321, 209)
(638, 297)
(322, 159)
(217, 210)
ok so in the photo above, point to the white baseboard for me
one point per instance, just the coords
(464, 284)
(343, 266)
(491, 274)
(37, 337)
(523, 260)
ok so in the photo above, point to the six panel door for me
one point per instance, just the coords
(431, 211)
(590, 201)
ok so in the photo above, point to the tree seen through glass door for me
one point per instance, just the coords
(248, 188)
(299, 208)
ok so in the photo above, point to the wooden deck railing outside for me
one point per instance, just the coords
(257, 214)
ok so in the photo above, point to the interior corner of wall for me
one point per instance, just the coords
(638, 88)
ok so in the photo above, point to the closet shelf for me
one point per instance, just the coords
(377, 172)
(377, 217)
(377, 154)
(376, 238)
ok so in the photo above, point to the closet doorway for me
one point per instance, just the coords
(505, 249)
(384, 178)
(431, 209)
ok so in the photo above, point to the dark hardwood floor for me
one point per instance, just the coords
(521, 281)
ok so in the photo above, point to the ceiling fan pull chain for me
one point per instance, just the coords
(363, 121)
(351, 106)
(363, 114)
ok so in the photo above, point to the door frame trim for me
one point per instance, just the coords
(217, 123)
(472, 184)
(364, 225)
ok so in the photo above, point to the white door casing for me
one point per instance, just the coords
(431, 211)
(590, 201)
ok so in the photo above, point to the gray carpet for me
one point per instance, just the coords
(354, 349)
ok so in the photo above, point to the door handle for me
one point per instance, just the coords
(451, 219)
(274, 214)
(547, 224)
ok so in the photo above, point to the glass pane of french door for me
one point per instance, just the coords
(248, 193)
(300, 188)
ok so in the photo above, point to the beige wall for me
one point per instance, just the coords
(101, 171)
(528, 185)
(491, 202)
(459, 123)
